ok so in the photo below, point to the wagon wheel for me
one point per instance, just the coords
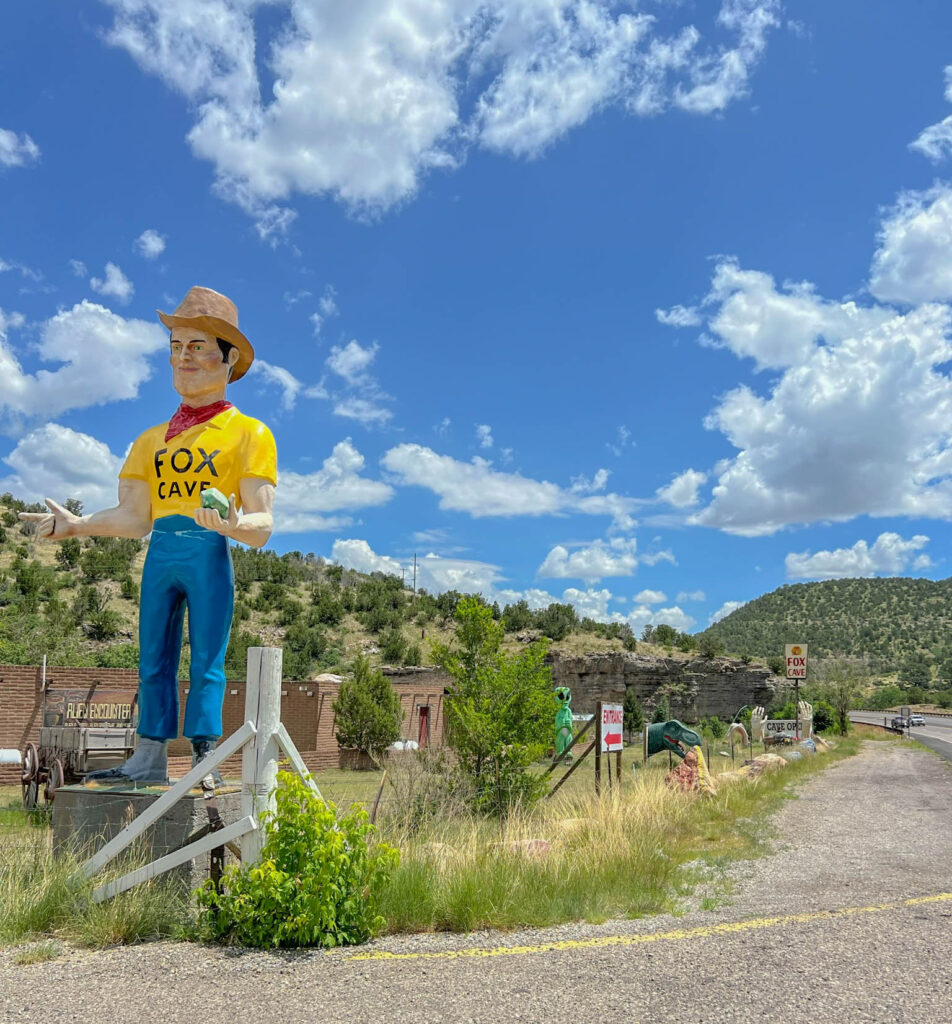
(29, 779)
(54, 780)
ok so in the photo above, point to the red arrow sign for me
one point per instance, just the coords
(612, 739)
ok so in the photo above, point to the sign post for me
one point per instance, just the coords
(609, 720)
(795, 656)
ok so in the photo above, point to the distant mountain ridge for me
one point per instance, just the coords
(884, 619)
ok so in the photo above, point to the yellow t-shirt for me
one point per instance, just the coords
(218, 453)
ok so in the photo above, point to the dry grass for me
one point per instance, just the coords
(632, 852)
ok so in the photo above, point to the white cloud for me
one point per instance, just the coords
(303, 499)
(363, 398)
(589, 604)
(484, 435)
(434, 573)
(582, 485)
(691, 595)
(10, 321)
(103, 358)
(17, 150)
(725, 609)
(479, 489)
(115, 283)
(327, 304)
(679, 316)
(328, 301)
(857, 422)
(890, 554)
(651, 597)
(682, 491)
(280, 377)
(360, 556)
(363, 410)
(622, 440)
(78, 268)
(57, 462)
(653, 558)
(150, 244)
(914, 260)
(779, 328)
(593, 562)
(351, 361)
(935, 142)
(368, 97)
(27, 273)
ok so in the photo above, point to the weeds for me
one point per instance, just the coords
(45, 895)
(38, 953)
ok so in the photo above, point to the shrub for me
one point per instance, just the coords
(633, 713)
(499, 711)
(119, 656)
(318, 881)
(68, 553)
(414, 655)
(558, 620)
(367, 710)
(709, 646)
(393, 646)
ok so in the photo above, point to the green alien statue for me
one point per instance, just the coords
(563, 721)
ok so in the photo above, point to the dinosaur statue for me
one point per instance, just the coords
(674, 736)
(563, 720)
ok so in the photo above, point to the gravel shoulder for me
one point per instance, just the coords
(871, 830)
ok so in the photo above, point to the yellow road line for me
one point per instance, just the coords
(677, 935)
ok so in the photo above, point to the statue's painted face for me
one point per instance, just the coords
(198, 370)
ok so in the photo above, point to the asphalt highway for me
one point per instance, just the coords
(935, 734)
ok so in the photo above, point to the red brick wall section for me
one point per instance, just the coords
(306, 709)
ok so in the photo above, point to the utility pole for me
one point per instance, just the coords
(414, 572)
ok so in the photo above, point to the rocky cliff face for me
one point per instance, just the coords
(695, 689)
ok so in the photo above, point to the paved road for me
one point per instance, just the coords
(849, 921)
(935, 734)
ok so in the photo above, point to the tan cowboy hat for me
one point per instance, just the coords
(214, 313)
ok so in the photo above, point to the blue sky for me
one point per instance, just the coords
(643, 306)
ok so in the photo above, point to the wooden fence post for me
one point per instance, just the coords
(598, 748)
(259, 762)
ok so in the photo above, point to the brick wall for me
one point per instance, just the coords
(306, 709)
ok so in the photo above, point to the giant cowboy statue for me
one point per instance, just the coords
(208, 444)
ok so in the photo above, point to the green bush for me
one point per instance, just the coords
(499, 710)
(318, 881)
(119, 656)
(393, 646)
(367, 710)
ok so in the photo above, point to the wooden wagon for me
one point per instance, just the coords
(81, 731)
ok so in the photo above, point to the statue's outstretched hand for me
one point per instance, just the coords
(211, 520)
(57, 524)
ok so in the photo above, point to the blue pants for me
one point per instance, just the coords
(186, 566)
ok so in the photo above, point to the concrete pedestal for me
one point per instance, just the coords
(85, 818)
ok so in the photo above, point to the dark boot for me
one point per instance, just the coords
(149, 763)
(201, 748)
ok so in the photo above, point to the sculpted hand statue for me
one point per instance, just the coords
(806, 719)
(208, 443)
(757, 718)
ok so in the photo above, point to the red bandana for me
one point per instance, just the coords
(185, 417)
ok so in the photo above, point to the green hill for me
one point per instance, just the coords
(76, 602)
(891, 623)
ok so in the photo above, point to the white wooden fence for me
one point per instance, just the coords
(262, 740)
